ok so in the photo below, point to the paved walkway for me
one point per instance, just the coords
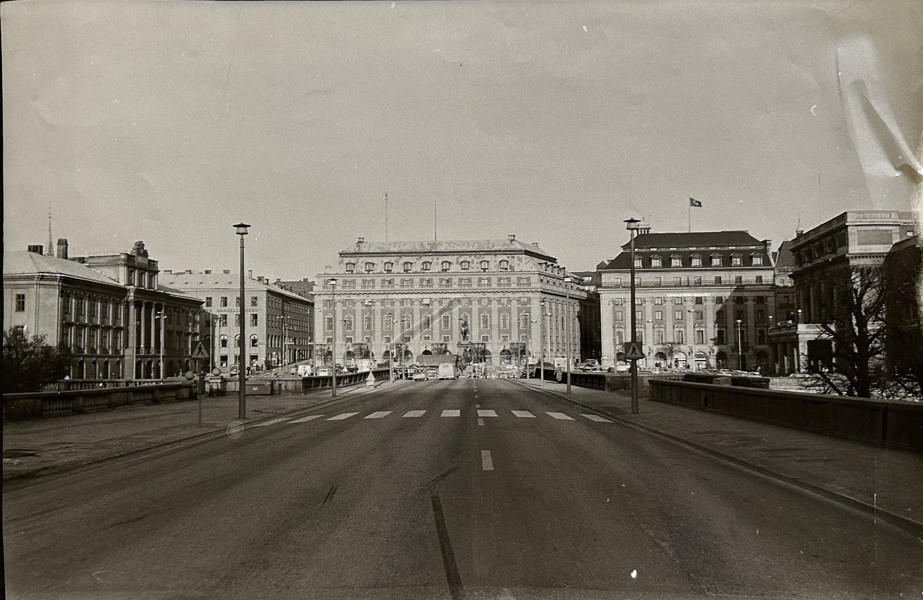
(884, 482)
(877, 480)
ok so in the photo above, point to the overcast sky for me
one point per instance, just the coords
(169, 122)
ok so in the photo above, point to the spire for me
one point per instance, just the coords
(50, 251)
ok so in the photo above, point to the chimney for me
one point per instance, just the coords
(767, 245)
(62, 248)
(249, 273)
(35, 248)
(227, 271)
(512, 237)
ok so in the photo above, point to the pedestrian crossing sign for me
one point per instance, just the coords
(633, 351)
(200, 352)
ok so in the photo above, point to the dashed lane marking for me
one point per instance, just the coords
(596, 418)
(559, 416)
(381, 414)
(487, 413)
(451, 413)
(487, 462)
(413, 414)
(268, 423)
(523, 414)
(306, 419)
(342, 416)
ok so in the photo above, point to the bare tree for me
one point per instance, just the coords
(848, 354)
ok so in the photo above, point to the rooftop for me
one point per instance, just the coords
(445, 247)
(25, 263)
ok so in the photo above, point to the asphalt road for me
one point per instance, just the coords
(389, 494)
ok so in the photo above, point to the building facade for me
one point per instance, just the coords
(703, 300)
(279, 327)
(494, 301)
(822, 257)
(108, 309)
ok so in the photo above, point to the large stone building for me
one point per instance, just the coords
(109, 309)
(482, 299)
(822, 257)
(280, 322)
(703, 300)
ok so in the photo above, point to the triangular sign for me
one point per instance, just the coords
(633, 351)
(200, 352)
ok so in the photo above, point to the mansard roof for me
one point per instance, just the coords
(444, 247)
(188, 282)
(29, 263)
(685, 245)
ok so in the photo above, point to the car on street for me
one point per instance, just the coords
(420, 376)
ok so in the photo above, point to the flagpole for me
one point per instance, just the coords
(690, 216)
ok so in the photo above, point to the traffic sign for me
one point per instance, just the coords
(200, 352)
(633, 351)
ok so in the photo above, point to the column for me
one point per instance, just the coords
(416, 325)
(144, 334)
(495, 342)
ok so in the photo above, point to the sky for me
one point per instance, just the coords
(169, 122)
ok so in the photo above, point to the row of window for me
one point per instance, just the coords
(679, 300)
(426, 338)
(429, 282)
(679, 337)
(688, 281)
(142, 279)
(697, 315)
(696, 260)
(223, 301)
(426, 322)
(427, 265)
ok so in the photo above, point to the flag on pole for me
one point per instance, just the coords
(694, 202)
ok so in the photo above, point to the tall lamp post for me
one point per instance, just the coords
(528, 320)
(567, 327)
(740, 345)
(333, 353)
(242, 367)
(161, 316)
(391, 351)
(632, 225)
(541, 343)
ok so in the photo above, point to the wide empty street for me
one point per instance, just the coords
(440, 489)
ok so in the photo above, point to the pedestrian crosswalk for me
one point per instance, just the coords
(448, 413)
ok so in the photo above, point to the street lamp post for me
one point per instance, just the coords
(541, 340)
(391, 351)
(333, 353)
(632, 225)
(242, 367)
(567, 327)
(528, 319)
(161, 316)
(740, 345)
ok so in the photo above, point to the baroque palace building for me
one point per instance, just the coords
(481, 299)
(703, 300)
(109, 309)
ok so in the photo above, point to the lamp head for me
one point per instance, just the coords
(332, 281)
(241, 228)
(631, 224)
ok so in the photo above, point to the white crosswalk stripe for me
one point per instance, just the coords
(523, 414)
(306, 419)
(596, 418)
(342, 416)
(451, 413)
(413, 414)
(487, 413)
(559, 416)
(379, 415)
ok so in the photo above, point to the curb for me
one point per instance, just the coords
(912, 527)
(189, 440)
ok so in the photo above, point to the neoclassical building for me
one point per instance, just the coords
(109, 309)
(493, 301)
(703, 300)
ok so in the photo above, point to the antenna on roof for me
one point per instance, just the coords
(50, 251)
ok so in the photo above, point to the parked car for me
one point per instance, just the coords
(420, 376)
(323, 372)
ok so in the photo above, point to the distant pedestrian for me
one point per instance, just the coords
(557, 374)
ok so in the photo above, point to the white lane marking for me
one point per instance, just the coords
(306, 419)
(381, 414)
(451, 413)
(268, 423)
(413, 414)
(524, 414)
(487, 463)
(487, 413)
(559, 416)
(342, 416)
(596, 418)
(480, 422)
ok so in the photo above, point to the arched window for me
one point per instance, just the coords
(407, 266)
(696, 260)
(254, 341)
(485, 265)
(389, 266)
(369, 267)
(224, 341)
(676, 260)
(350, 267)
(465, 265)
(485, 321)
(504, 265)
(446, 265)
(655, 261)
(427, 265)
(504, 321)
(348, 323)
(716, 260)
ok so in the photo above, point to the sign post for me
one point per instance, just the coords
(634, 354)
(198, 354)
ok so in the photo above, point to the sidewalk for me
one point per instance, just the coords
(885, 482)
(54, 444)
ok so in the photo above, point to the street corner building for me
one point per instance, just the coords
(703, 300)
(109, 309)
(494, 302)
